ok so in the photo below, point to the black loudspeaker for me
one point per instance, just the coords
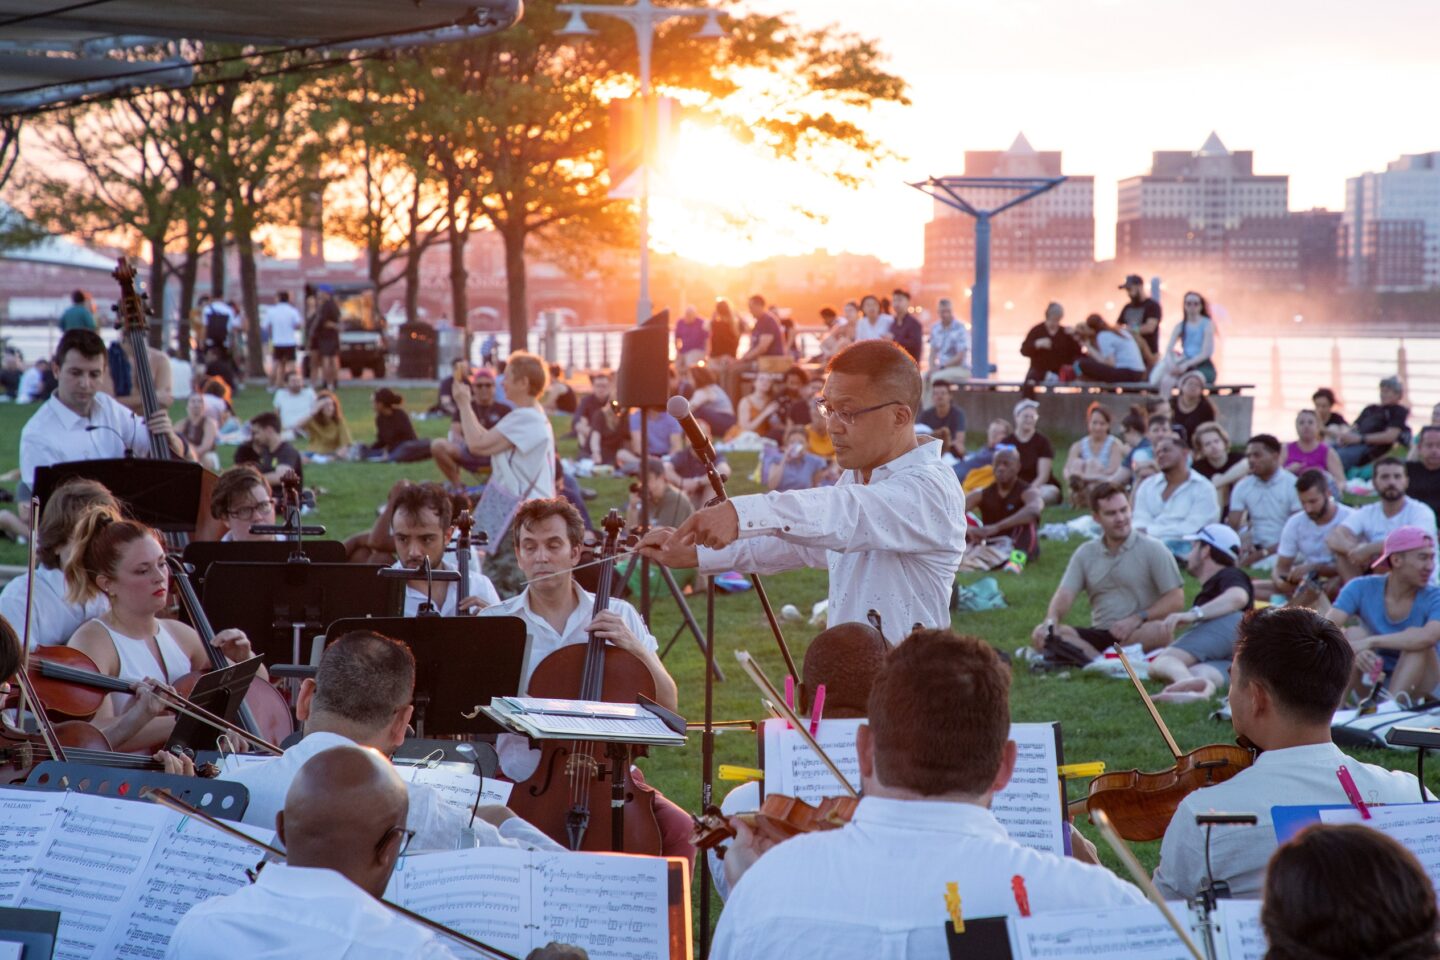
(643, 378)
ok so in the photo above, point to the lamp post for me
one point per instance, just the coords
(643, 18)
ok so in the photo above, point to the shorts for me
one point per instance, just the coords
(1212, 642)
(282, 354)
(473, 462)
(328, 345)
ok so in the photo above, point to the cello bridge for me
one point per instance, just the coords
(582, 764)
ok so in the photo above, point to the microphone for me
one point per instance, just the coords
(101, 426)
(679, 408)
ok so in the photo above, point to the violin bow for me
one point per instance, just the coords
(22, 676)
(1149, 704)
(777, 705)
(167, 799)
(1137, 873)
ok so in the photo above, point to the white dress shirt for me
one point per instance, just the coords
(1295, 775)
(52, 618)
(57, 434)
(867, 330)
(480, 586)
(1190, 507)
(891, 545)
(437, 825)
(1268, 503)
(875, 888)
(302, 913)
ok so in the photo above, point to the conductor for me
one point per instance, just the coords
(891, 532)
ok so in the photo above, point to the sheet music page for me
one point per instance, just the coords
(615, 906)
(483, 892)
(458, 786)
(793, 769)
(1029, 806)
(1415, 825)
(11, 951)
(25, 818)
(1238, 924)
(91, 860)
(192, 863)
(1119, 933)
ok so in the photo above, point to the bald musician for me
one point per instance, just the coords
(343, 827)
(891, 532)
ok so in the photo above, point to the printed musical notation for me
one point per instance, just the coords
(1030, 806)
(793, 769)
(1238, 924)
(25, 819)
(486, 897)
(1415, 825)
(1121, 933)
(457, 786)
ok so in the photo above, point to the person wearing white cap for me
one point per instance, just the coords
(1198, 664)
(1398, 614)
(1037, 453)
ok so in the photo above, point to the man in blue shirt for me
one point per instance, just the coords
(662, 434)
(1398, 613)
(77, 316)
(766, 337)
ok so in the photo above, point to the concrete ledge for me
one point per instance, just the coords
(1062, 412)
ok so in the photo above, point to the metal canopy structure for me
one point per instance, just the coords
(54, 51)
(947, 190)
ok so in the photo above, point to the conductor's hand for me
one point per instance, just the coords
(608, 626)
(715, 527)
(234, 644)
(661, 546)
(159, 423)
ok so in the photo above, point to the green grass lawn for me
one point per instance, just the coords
(1102, 719)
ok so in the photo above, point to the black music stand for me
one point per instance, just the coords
(460, 663)
(35, 931)
(278, 604)
(219, 798)
(201, 553)
(220, 692)
(164, 494)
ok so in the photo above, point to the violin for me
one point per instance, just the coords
(779, 818)
(1140, 804)
(576, 777)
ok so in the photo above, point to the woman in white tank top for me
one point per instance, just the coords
(125, 561)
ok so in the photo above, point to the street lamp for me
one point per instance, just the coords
(643, 18)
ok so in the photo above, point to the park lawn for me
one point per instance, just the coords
(1102, 719)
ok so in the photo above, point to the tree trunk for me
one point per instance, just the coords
(189, 272)
(413, 250)
(250, 294)
(459, 276)
(515, 287)
(217, 258)
(156, 291)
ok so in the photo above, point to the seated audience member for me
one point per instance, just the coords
(326, 431)
(1360, 539)
(1115, 356)
(928, 776)
(874, 322)
(1037, 454)
(838, 331)
(1157, 425)
(53, 615)
(445, 392)
(1414, 452)
(1009, 508)
(669, 507)
(394, 433)
(1095, 458)
(1302, 552)
(759, 411)
(1399, 615)
(1130, 579)
(1190, 408)
(422, 528)
(601, 385)
(1378, 428)
(1309, 451)
(1262, 502)
(908, 332)
(1176, 501)
(1195, 336)
(796, 394)
(1049, 347)
(1197, 664)
(1289, 675)
(685, 470)
(949, 345)
(273, 457)
(995, 436)
(451, 454)
(361, 696)
(1310, 909)
(1423, 472)
(609, 435)
(241, 498)
(1216, 462)
(793, 466)
(1332, 422)
(817, 433)
(293, 403)
(944, 415)
(559, 396)
(201, 432)
(691, 338)
(663, 437)
(710, 403)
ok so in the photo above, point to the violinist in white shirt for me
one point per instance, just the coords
(422, 528)
(891, 531)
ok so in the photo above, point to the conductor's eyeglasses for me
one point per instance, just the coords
(848, 417)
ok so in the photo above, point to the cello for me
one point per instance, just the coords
(577, 777)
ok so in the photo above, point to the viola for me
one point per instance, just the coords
(1140, 804)
(779, 818)
(576, 777)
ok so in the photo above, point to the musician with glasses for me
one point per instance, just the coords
(891, 532)
(241, 499)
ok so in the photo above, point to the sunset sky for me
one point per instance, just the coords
(1320, 90)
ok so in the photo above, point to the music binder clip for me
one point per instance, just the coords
(1352, 793)
(952, 906)
(728, 771)
(1022, 898)
(817, 709)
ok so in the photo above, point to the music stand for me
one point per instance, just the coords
(201, 553)
(221, 692)
(460, 663)
(164, 494)
(35, 931)
(277, 604)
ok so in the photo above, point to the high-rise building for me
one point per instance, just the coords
(1391, 233)
(1051, 233)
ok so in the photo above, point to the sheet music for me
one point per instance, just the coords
(1119, 933)
(793, 769)
(1415, 825)
(457, 785)
(91, 860)
(10, 951)
(482, 891)
(1029, 807)
(25, 818)
(1238, 923)
(614, 906)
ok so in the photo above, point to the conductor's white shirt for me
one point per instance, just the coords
(304, 913)
(875, 888)
(57, 434)
(892, 545)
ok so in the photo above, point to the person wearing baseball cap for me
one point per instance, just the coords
(1142, 316)
(1398, 614)
(1037, 453)
(1197, 664)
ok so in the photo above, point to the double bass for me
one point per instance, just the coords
(577, 778)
